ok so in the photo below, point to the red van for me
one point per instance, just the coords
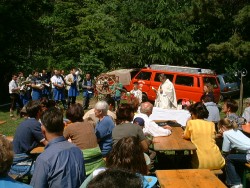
(188, 81)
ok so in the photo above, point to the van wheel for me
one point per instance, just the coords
(144, 97)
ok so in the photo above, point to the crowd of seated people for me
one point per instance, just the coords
(234, 145)
(119, 141)
(82, 134)
(28, 135)
(126, 154)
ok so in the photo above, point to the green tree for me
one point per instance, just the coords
(20, 36)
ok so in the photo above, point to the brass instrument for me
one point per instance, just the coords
(70, 80)
(78, 71)
(24, 86)
(45, 84)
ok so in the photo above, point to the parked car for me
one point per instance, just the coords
(229, 86)
(188, 81)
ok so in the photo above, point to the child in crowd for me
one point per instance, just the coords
(236, 147)
(246, 113)
(137, 92)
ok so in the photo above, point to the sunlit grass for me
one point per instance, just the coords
(9, 127)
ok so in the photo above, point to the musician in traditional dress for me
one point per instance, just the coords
(14, 95)
(58, 88)
(37, 86)
(88, 86)
(46, 82)
(166, 96)
(72, 86)
(24, 86)
(20, 78)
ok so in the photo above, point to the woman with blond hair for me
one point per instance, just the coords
(208, 91)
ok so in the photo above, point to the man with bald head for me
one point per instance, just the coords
(150, 126)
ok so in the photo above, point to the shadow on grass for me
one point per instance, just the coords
(5, 108)
(9, 127)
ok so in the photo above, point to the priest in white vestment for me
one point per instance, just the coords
(166, 96)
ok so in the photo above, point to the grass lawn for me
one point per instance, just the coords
(8, 128)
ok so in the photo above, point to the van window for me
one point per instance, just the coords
(133, 73)
(229, 79)
(169, 76)
(211, 80)
(144, 76)
(184, 80)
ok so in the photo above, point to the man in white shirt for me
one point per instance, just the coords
(150, 126)
(72, 82)
(14, 95)
(58, 88)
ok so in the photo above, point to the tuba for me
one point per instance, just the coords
(78, 71)
(78, 74)
(24, 86)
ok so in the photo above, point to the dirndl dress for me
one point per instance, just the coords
(58, 94)
(73, 91)
(36, 94)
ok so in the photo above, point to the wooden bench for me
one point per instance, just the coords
(16, 177)
(37, 150)
(13, 176)
(2, 122)
(188, 178)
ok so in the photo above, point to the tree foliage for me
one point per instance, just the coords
(97, 35)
